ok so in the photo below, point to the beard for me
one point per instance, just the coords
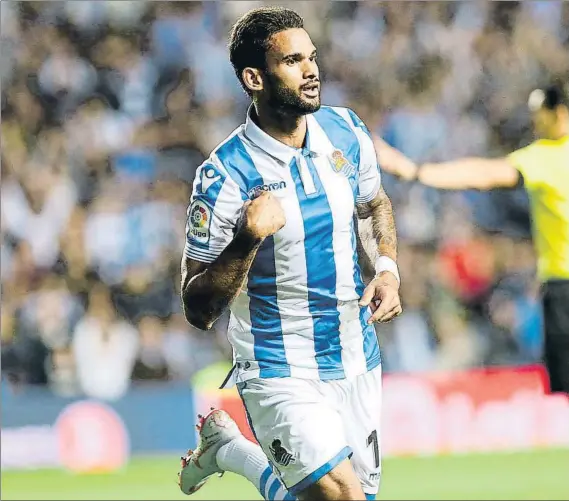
(290, 101)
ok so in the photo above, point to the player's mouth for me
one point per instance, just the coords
(311, 90)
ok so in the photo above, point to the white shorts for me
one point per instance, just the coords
(307, 427)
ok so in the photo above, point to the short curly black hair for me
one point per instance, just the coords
(250, 35)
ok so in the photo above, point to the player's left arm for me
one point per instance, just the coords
(382, 293)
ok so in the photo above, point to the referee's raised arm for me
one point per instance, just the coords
(550, 114)
(543, 169)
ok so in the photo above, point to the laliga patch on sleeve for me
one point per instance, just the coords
(199, 222)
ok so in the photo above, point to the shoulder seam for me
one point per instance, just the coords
(214, 158)
(349, 111)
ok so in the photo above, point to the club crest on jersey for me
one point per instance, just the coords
(199, 222)
(280, 454)
(340, 164)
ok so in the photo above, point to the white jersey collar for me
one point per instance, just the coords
(275, 148)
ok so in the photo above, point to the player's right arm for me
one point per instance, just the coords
(223, 235)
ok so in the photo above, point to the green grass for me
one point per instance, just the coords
(531, 475)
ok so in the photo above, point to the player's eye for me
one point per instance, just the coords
(313, 58)
(290, 62)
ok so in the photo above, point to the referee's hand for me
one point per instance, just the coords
(395, 162)
(382, 296)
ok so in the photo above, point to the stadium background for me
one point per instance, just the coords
(107, 109)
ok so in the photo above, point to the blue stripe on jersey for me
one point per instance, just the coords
(371, 345)
(266, 326)
(358, 122)
(343, 138)
(239, 164)
(321, 273)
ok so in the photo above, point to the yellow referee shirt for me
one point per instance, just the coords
(544, 165)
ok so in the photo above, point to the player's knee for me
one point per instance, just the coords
(340, 484)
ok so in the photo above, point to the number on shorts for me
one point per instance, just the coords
(372, 439)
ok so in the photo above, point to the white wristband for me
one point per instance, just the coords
(384, 263)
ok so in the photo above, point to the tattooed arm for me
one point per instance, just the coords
(378, 238)
(381, 231)
(209, 289)
(366, 248)
(382, 294)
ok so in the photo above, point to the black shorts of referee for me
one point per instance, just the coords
(555, 300)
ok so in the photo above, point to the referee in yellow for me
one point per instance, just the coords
(543, 168)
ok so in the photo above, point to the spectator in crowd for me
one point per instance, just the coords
(104, 348)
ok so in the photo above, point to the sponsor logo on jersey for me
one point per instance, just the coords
(280, 454)
(256, 191)
(209, 177)
(199, 222)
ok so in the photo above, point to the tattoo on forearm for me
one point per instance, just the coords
(383, 225)
(209, 292)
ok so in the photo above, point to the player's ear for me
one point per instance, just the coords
(253, 79)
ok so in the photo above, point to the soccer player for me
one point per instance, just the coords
(271, 234)
(543, 169)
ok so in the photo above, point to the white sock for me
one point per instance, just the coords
(247, 459)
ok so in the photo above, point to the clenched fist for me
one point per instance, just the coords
(263, 216)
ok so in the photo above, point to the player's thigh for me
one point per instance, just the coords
(362, 417)
(298, 426)
(341, 483)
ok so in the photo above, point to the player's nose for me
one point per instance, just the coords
(310, 70)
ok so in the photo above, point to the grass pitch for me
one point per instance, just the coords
(529, 475)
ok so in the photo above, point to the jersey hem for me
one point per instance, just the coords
(315, 375)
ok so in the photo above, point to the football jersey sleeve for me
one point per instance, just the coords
(526, 160)
(213, 213)
(369, 178)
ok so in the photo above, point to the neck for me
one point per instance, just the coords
(288, 129)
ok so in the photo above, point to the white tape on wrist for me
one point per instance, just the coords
(385, 263)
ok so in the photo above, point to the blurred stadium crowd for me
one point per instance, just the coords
(108, 107)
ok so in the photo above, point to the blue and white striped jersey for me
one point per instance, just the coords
(298, 314)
